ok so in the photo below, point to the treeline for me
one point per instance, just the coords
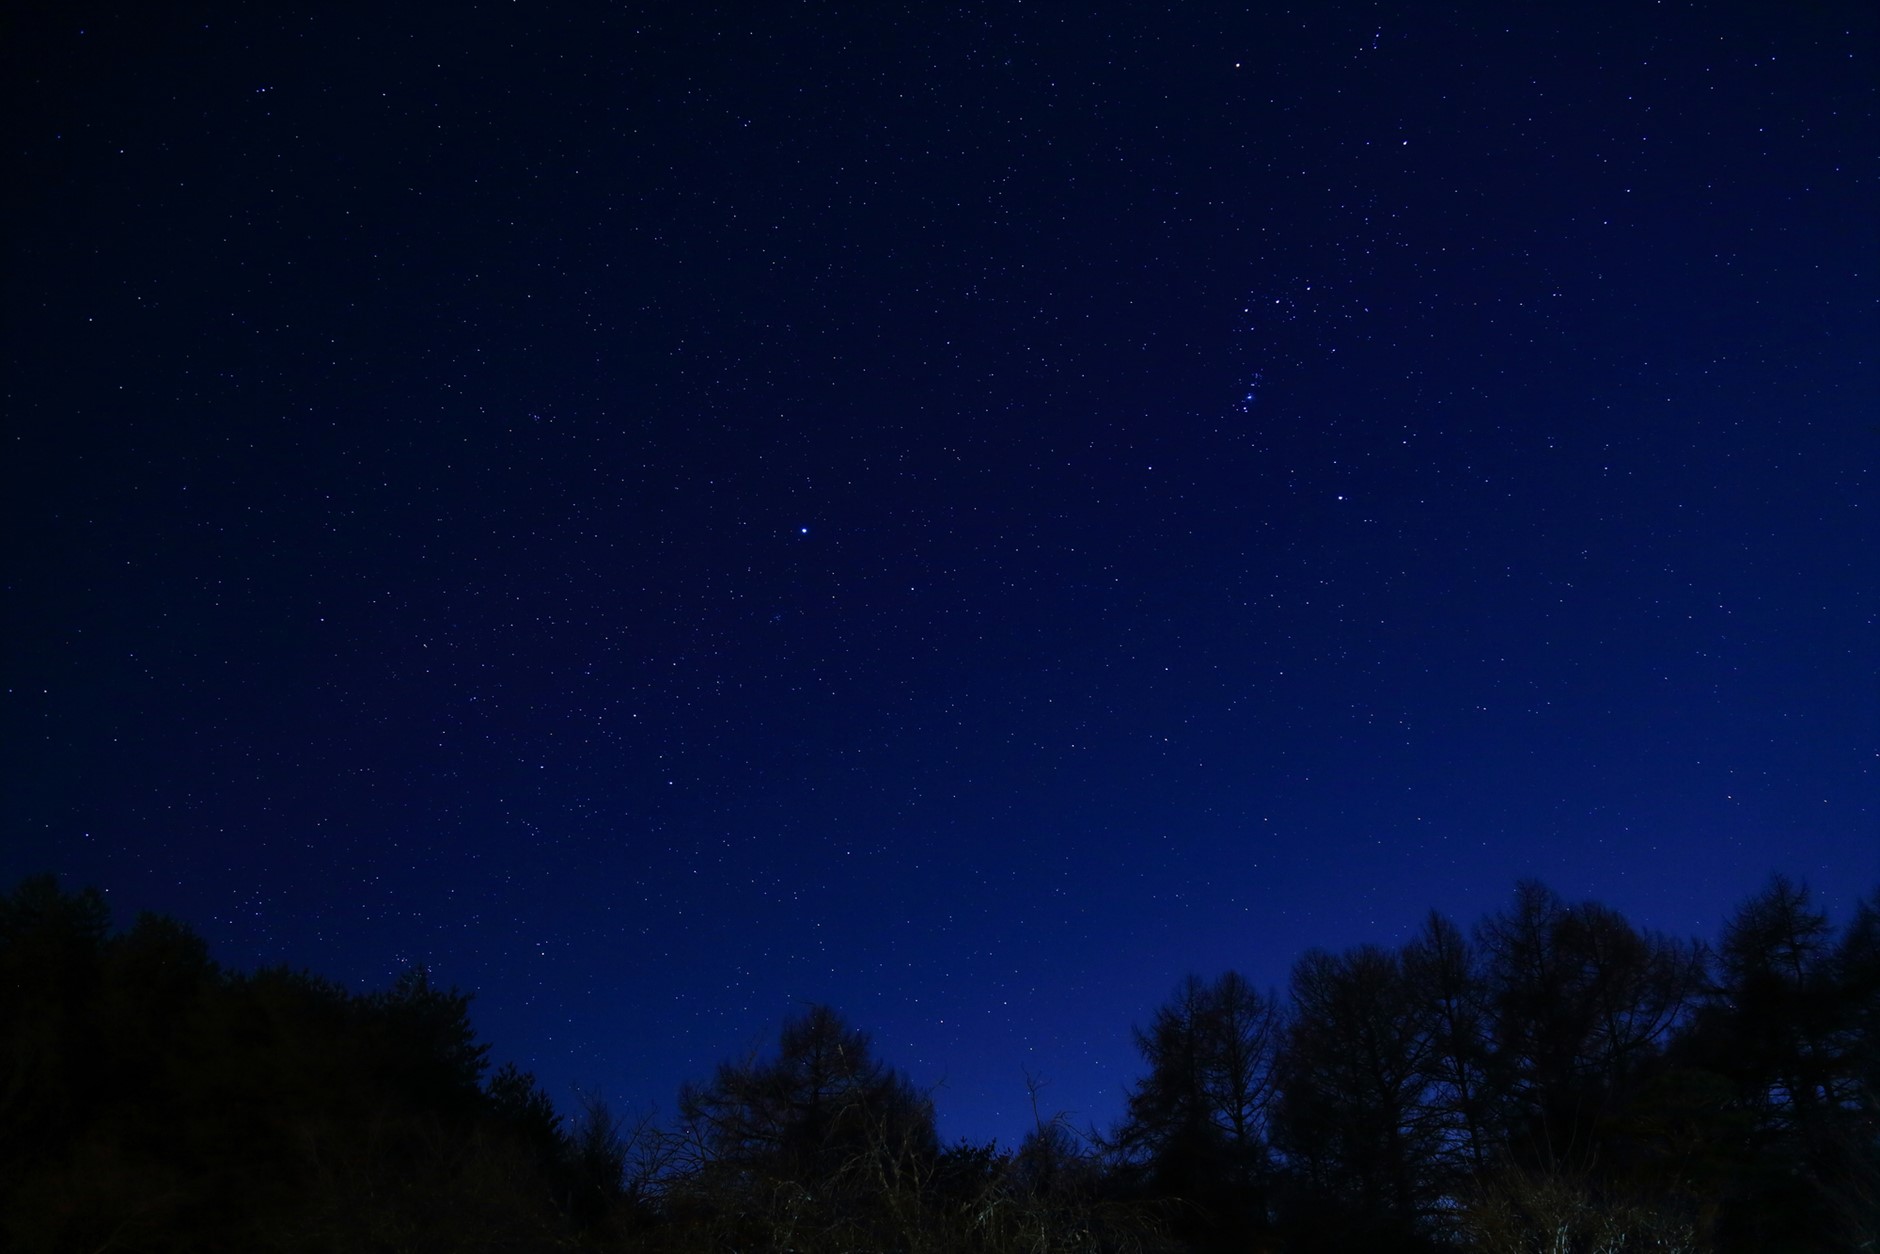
(1559, 1081)
(1556, 1080)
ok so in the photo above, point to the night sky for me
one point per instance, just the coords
(964, 513)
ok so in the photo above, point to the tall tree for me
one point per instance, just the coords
(1581, 1005)
(1789, 1023)
(425, 1045)
(51, 971)
(1195, 1127)
(1857, 972)
(151, 1101)
(821, 1145)
(823, 1097)
(1778, 991)
(1352, 1111)
(1463, 1093)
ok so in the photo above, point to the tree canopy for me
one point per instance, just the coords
(1558, 1080)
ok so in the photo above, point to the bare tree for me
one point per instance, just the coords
(1354, 1083)
(1581, 1004)
(1462, 1092)
(1195, 1127)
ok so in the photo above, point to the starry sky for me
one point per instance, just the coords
(967, 513)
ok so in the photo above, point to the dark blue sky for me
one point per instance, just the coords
(963, 513)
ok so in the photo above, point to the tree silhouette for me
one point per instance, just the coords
(1463, 1091)
(822, 1098)
(1581, 1005)
(150, 1100)
(807, 1144)
(1790, 1025)
(1855, 1189)
(1353, 1077)
(1546, 1086)
(1195, 1127)
(50, 975)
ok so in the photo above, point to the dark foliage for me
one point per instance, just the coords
(1562, 1082)
(822, 1101)
(154, 1102)
(1789, 1028)
(1353, 1084)
(1582, 1005)
(1196, 1129)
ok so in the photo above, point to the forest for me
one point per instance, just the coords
(1552, 1080)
